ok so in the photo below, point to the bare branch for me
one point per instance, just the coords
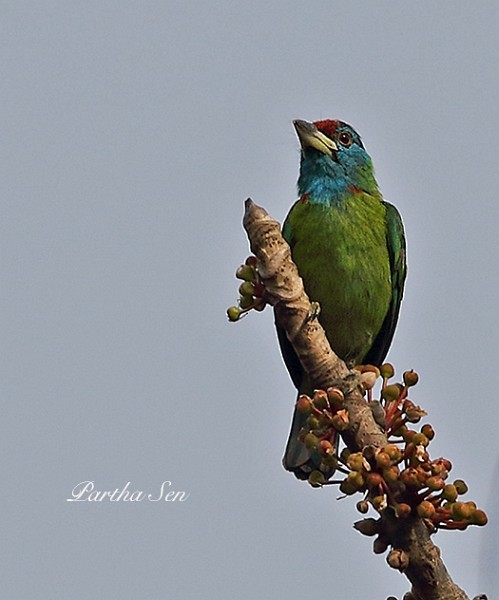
(296, 315)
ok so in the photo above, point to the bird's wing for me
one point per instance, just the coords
(395, 238)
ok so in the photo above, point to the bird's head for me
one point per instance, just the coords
(334, 162)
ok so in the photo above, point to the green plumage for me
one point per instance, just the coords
(349, 247)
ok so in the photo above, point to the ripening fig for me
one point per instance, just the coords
(383, 459)
(355, 461)
(325, 448)
(403, 510)
(450, 493)
(398, 559)
(234, 313)
(410, 378)
(390, 393)
(336, 396)
(316, 479)
(304, 405)
(387, 371)
(374, 480)
(251, 261)
(394, 452)
(461, 486)
(380, 545)
(246, 273)
(425, 510)
(311, 441)
(479, 518)
(428, 431)
(340, 420)
(247, 288)
(391, 474)
(320, 399)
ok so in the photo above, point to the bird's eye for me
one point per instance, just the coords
(345, 139)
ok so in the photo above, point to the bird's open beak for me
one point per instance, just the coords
(311, 137)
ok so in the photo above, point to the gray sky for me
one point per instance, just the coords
(132, 133)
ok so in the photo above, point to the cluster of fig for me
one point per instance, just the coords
(325, 417)
(400, 475)
(251, 290)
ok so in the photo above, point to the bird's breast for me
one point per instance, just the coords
(342, 256)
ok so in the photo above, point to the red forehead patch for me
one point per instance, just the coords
(327, 127)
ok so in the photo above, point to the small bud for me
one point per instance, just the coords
(362, 506)
(368, 369)
(461, 511)
(461, 486)
(234, 313)
(479, 518)
(320, 399)
(383, 460)
(398, 559)
(316, 479)
(399, 431)
(355, 461)
(356, 479)
(251, 261)
(368, 526)
(403, 510)
(391, 474)
(380, 545)
(304, 405)
(311, 441)
(313, 422)
(325, 448)
(420, 440)
(347, 488)
(425, 510)
(410, 378)
(447, 464)
(368, 380)
(449, 493)
(428, 431)
(391, 393)
(409, 477)
(247, 288)
(387, 371)
(246, 273)
(374, 480)
(408, 435)
(336, 396)
(394, 452)
(345, 455)
(246, 302)
(340, 420)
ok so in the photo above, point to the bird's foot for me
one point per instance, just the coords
(314, 312)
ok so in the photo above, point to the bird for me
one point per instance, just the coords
(349, 246)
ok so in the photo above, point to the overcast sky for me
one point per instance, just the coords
(132, 133)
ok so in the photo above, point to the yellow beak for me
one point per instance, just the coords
(311, 137)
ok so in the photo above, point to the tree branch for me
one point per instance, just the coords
(297, 316)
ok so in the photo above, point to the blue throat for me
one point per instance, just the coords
(326, 182)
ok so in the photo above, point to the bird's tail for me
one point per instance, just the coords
(297, 458)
